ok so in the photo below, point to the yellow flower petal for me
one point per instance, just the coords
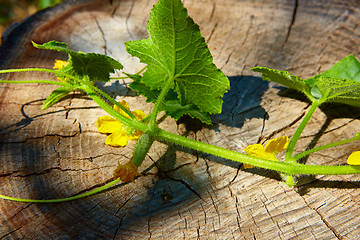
(140, 115)
(256, 150)
(117, 139)
(59, 64)
(119, 132)
(124, 104)
(107, 124)
(354, 158)
(268, 152)
(277, 145)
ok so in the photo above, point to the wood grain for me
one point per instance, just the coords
(58, 152)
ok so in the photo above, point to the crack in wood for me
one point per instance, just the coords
(127, 19)
(323, 219)
(9, 233)
(270, 215)
(149, 227)
(238, 217)
(292, 22)
(263, 138)
(103, 36)
(39, 137)
(118, 228)
(48, 170)
(211, 33)
(330, 130)
(186, 185)
(213, 9)
(227, 59)
(216, 208)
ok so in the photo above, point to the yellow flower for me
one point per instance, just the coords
(119, 133)
(126, 172)
(58, 65)
(270, 150)
(354, 158)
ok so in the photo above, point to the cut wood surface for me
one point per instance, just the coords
(58, 152)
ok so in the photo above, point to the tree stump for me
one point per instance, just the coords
(184, 194)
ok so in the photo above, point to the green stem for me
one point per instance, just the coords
(283, 167)
(141, 70)
(117, 78)
(159, 101)
(127, 121)
(303, 154)
(141, 148)
(62, 199)
(55, 72)
(299, 130)
(110, 99)
(37, 81)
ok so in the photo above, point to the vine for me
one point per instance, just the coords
(180, 78)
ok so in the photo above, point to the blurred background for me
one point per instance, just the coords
(12, 11)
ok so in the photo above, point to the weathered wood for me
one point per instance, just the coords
(58, 152)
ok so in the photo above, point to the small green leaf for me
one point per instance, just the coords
(174, 109)
(284, 78)
(54, 45)
(341, 83)
(56, 96)
(96, 66)
(176, 51)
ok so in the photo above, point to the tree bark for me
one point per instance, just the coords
(58, 152)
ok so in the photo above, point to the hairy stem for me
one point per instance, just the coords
(152, 124)
(36, 81)
(303, 154)
(62, 199)
(56, 72)
(127, 121)
(110, 99)
(141, 148)
(299, 130)
(283, 167)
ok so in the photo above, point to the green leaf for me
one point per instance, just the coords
(56, 96)
(96, 66)
(54, 45)
(176, 51)
(341, 83)
(174, 109)
(284, 78)
(171, 104)
(347, 68)
(338, 90)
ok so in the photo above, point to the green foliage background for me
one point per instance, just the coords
(16, 10)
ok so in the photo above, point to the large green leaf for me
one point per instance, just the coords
(176, 51)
